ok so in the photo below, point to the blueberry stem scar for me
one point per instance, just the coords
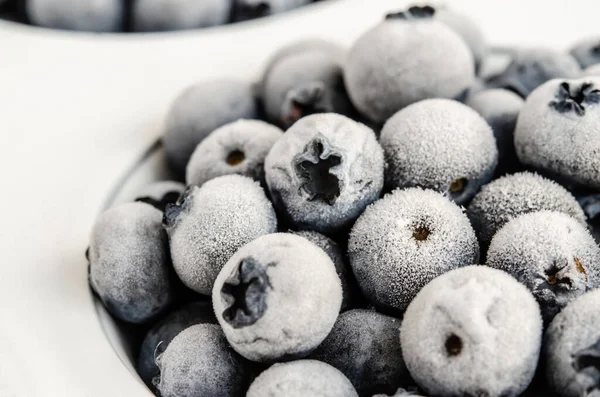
(572, 99)
(453, 345)
(235, 157)
(414, 12)
(314, 172)
(421, 233)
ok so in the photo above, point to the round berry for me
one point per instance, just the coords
(467, 29)
(83, 15)
(164, 15)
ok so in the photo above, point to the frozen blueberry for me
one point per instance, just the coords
(500, 108)
(401, 393)
(250, 9)
(129, 262)
(160, 193)
(364, 345)
(513, 195)
(587, 52)
(592, 71)
(277, 298)
(305, 82)
(333, 250)
(467, 29)
(161, 334)
(85, 15)
(439, 144)
(572, 348)
(558, 131)
(236, 148)
(530, 68)
(210, 223)
(324, 171)
(473, 331)
(398, 63)
(198, 363)
(301, 378)
(162, 15)
(200, 110)
(551, 253)
(405, 240)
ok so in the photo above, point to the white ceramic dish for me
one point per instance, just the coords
(78, 110)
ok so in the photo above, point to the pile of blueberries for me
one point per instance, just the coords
(140, 15)
(383, 221)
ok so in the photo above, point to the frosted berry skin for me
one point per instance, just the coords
(277, 298)
(558, 131)
(198, 362)
(454, 330)
(165, 15)
(82, 15)
(161, 193)
(236, 148)
(500, 108)
(551, 254)
(324, 171)
(209, 224)
(587, 52)
(512, 195)
(129, 262)
(250, 9)
(161, 334)
(303, 83)
(572, 348)
(201, 109)
(405, 240)
(364, 346)
(397, 63)
(530, 68)
(301, 378)
(439, 144)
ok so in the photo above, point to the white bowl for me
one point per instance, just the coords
(78, 110)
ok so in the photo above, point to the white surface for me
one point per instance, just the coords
(77, 109)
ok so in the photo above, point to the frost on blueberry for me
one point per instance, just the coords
(454, 329)
(324, 171)
(558, 131)
(405, 240)
(587, 52)
(572, 348)
(414, 12)
(277, 298)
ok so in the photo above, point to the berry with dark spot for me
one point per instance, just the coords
(324, 171)
(587, 52)
(277, 298)
(474, 331)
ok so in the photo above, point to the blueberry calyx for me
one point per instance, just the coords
(575, 99)
(313, 168)
(586, 363)
(167, 198)
(421, 233)
(453, 345)
(172, 210)
(245, 293)
(235, 157)
(414, 12)
(304, 101)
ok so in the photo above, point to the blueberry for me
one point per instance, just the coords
(301, 378)
(398, 63)
(513, 195)
(558, 131)
(236, 148)
(587, 52)
(161, 334)
(334, 251)
(129, 262)
(324, 171)
(209, 224)
(200, 110)
(364, 346)
(305, 81)
(572, 348)
(500, 108)
(250, 9)
(85, 15)
(592, 71)
(161, 193)
(162, 15)
(198, 363)
(405, 240)
(552, 254)
(530, 68)
(473, 331)
(439, 144)
(277, 298)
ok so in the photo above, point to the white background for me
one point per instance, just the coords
(77, 109)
